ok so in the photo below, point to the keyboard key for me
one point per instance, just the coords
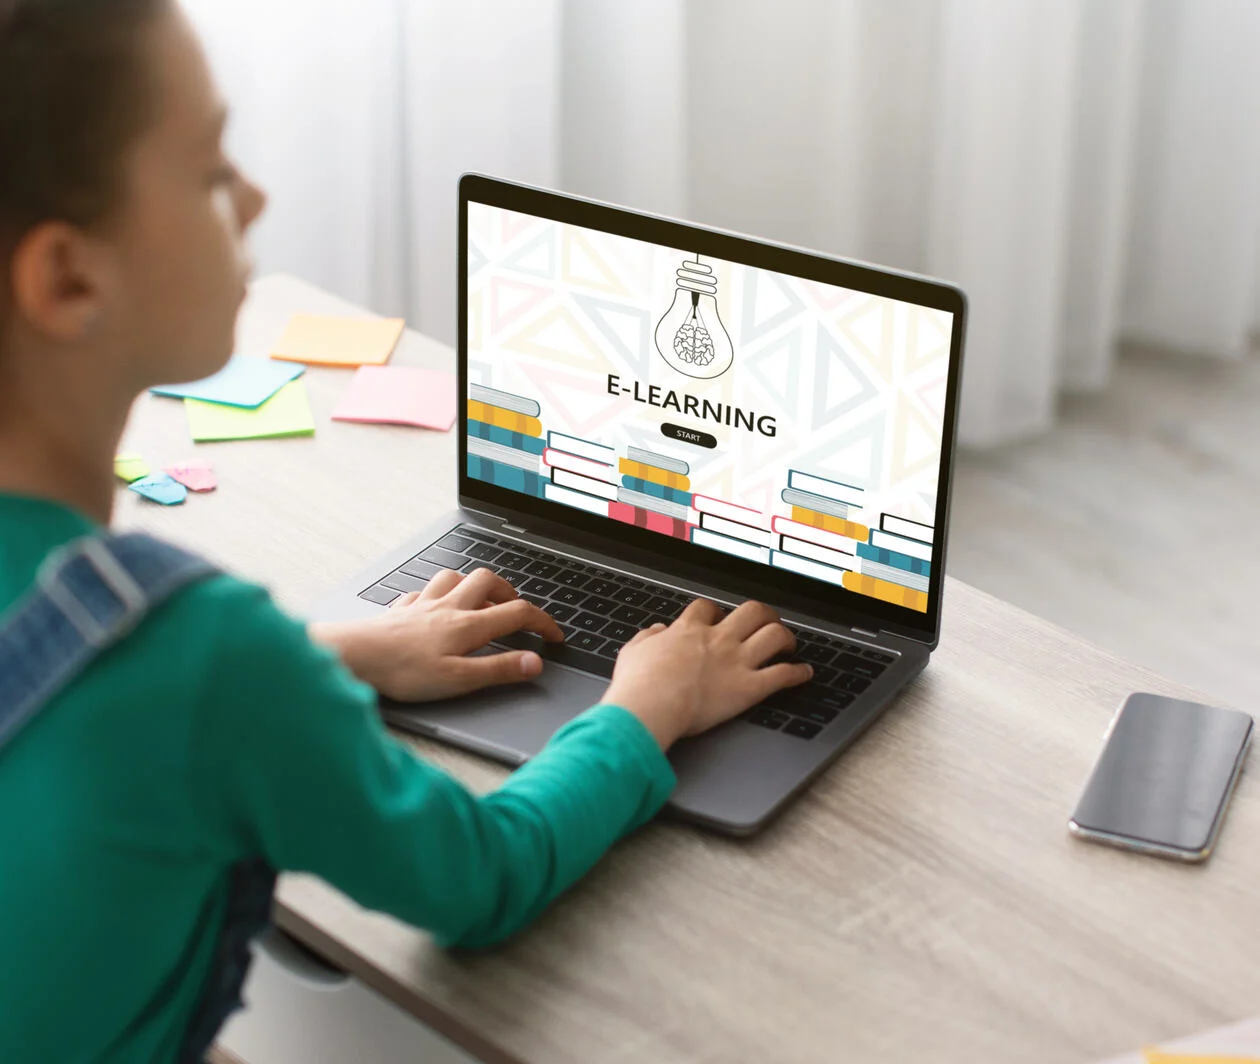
(835, 699)
(418, 567)
(511, 560)
(825, 675)
(473, 533)
(657, 604)
(630, 615)
(815, 653)
(569, 595)
(515, 579)
(820, 714)
(802, 729)
(599, 605)
(768, 718)
(404, 583)
(474, 565)
(854, 684)
(586, 641)
(629, 596)
(601, 587)
(619, 632)
(589, 622)
(538, 586)
(380, 594)
(483, 552)
(572, 577)
(880, 656)
(610, 649)
(560, 611)
(455, 543)
(546, 569)
(448, 559)
(861, 666)
(764, 717)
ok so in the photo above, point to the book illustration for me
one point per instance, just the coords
(891, 575)
(819, 504)
(517, 404)
(660, 461)
(497, 452)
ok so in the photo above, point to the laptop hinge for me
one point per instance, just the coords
(512, 528)
(863, 631)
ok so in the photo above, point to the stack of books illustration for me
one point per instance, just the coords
(505, 445)
(820, 539)
(896, 562)
(654, 493)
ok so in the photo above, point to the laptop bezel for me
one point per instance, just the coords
(644, 548)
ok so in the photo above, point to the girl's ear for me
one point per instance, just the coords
(60, 278)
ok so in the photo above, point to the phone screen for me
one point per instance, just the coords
(1165, 773)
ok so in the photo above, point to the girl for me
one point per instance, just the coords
(155, 794)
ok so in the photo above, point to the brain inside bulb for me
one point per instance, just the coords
(693, 344)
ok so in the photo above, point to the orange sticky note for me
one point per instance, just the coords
(323, 341)
(399, 395)
(1158, 1056)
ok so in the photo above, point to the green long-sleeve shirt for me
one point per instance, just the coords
(218, 731)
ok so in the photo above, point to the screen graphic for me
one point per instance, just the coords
(781, 420)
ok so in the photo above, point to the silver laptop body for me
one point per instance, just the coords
(653, 411)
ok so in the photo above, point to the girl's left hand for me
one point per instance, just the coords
(417, 650)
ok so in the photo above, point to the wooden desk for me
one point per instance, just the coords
(922, 901)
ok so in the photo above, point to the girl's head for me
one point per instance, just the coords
(121, 220)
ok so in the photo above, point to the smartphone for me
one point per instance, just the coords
(1164, 778)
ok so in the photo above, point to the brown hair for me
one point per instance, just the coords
(74, 94)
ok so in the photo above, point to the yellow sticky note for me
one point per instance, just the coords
(324, 341)
(1158, 1056)
(130, 467)
(287, 413)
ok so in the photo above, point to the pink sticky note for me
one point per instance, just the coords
(195, 477)
(399, 395)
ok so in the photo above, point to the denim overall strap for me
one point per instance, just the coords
(87, 596)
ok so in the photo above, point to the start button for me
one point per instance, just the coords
(686, 435)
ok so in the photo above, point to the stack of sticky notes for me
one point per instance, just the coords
(248, 398)
(287, 413)
(319, 340)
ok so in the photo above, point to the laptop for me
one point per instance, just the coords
(653, 411)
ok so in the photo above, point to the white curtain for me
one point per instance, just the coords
(1088, 170)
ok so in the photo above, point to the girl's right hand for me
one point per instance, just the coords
(703, 669)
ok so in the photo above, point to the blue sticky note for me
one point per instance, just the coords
(160, 488)
(244, 381)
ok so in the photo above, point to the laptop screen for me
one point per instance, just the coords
(794, 424)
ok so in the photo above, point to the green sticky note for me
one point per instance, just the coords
(287, 413)
(130, 467)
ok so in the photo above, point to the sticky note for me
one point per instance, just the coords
(287, 413)
(194, 476)
(243, 381)
(399, 395)
(325, 341)
(1158, 1056)
(130, 467)
(160, 488)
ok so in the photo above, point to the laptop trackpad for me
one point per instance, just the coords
(509, 723)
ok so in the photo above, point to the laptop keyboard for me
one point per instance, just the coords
(599, 611)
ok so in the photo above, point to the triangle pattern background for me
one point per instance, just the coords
(768, 303)
(777, 368)
(839, 383)
(626, 328)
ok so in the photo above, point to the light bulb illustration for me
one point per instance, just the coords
(691, 336)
